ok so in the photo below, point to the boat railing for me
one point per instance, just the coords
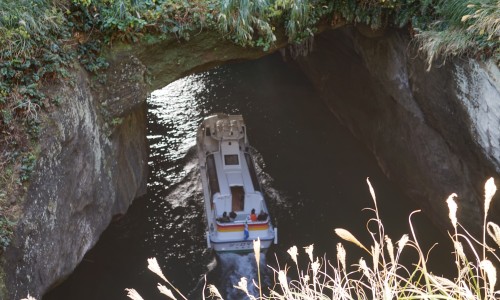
(213, 180)
(252, 171)
(214, 212)
(263, 207)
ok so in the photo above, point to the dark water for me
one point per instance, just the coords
(314, 174)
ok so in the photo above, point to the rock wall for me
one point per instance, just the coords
(93, 156)
(433, 132)
(92, 164)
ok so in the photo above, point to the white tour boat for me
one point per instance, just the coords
(231, 188)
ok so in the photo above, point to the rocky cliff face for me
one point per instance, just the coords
(93, 157)
(433, 132)
(92, 164)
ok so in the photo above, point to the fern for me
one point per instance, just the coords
(242, 19)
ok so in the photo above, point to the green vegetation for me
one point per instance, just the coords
(5, 232)
(383, 276)
(461, 27)
(42, 40)
(34, 41)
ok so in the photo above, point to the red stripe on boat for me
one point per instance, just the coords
(240, 227)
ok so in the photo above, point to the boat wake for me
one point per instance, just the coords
(233, 267)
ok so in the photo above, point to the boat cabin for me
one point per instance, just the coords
(230, 187)
(231, 174)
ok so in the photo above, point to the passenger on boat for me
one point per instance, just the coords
(232, 215)
(253, 216)
(262, 216)
(224, 218)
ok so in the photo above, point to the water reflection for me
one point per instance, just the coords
(173, 117)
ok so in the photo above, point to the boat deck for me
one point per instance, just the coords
(231, 185)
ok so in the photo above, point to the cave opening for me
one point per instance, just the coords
(314, 168)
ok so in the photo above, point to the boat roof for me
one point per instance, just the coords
(226, 127)
(234, 175)
(224, 136)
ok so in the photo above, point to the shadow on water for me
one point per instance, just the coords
(314, 176)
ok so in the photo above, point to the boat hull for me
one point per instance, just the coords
(240, 246)
(232, 193)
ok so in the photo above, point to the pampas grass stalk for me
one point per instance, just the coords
(341, 255)
(346, 235)
(214, 292)
(494, 232)
(309, 250)
(154, 267)
(242, 285)
(166, 291)
(387, 279)
(452, 207)
(133, 294)
(489, 191)
(256, 249)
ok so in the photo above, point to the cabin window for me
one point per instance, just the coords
(231, 159)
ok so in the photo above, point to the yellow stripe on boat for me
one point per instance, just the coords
(230, 228)
(263, 226)
(240, 227)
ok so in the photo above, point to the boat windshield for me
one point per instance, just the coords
(231, 160)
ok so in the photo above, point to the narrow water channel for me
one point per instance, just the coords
(314, 174)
